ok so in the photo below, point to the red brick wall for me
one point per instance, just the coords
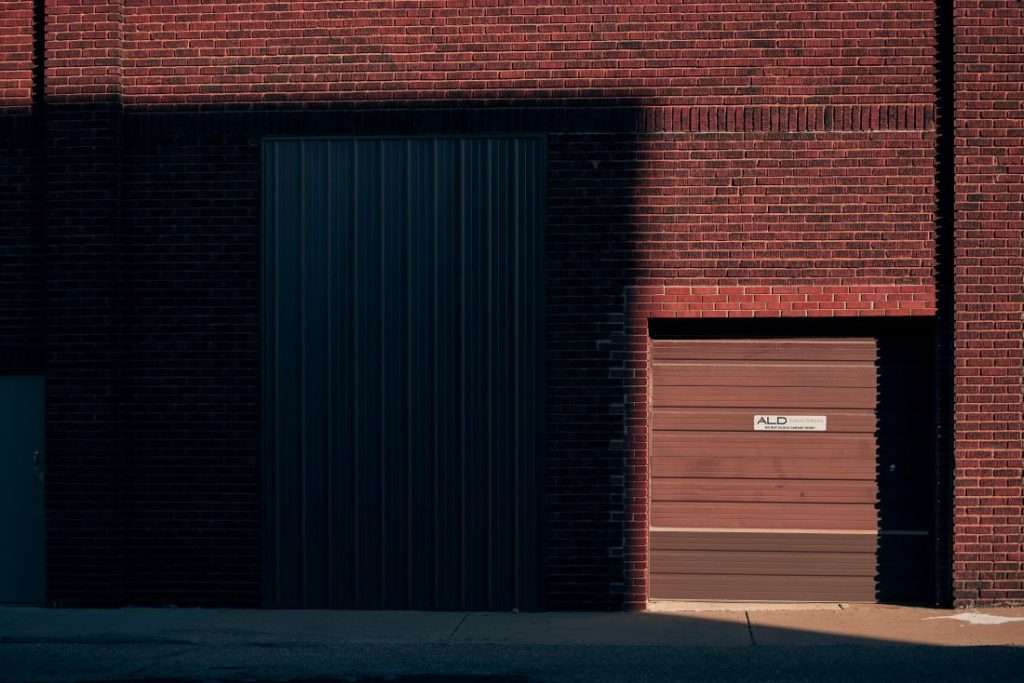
(989, 518)
(83, 50)
(15, 54)
(731, 158)
(735, 52)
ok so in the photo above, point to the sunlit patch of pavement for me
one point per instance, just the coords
(978, 618)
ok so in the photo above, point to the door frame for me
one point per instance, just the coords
(925, 328)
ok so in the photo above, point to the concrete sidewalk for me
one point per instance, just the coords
(687, 625)
(202, 644)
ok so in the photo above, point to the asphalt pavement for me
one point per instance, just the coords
(668, 643)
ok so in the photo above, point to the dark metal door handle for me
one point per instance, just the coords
(37, 463)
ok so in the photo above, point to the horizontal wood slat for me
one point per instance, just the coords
(772, 467)
(762, 398)
(796, 543)
(730, 515)
(819, 445)
(764, 349)
(740, 587)
(764, 374)
(759, 490)
(763, 563)
(742, 419)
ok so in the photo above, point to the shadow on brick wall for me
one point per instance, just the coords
(153, 230)
(20, 248)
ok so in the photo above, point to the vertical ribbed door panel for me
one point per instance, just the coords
(403, 355)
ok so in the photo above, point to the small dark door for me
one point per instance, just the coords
(22, 571)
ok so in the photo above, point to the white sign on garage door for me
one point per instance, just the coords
(790, 423)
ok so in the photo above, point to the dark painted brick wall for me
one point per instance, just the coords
(191, 364)
(19, 255)
(18, 248)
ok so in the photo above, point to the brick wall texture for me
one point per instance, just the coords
(15, 54)
(730, 159)
(989, 516)
(17, 261)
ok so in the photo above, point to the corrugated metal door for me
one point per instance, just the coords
(22, 532)
(744, 514)
(402, 371)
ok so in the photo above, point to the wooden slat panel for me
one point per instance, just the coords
(827, 445)
(764, 468)
(796, 543)
(765, 515)
(777, 467)
(762, 563)
(742, 419)
(760, 490)
(765, 349)
(711, 471)
(764, 374)
(758, 397)
(767, 468)
(738, 587)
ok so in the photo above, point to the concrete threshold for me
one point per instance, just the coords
(684, 606)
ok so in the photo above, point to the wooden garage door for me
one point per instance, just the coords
(744, 514)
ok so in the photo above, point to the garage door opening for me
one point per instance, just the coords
(793, 469)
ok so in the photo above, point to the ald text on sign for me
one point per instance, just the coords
(790, 423)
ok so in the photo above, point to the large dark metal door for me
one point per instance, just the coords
(402, 372)
(22, 570)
